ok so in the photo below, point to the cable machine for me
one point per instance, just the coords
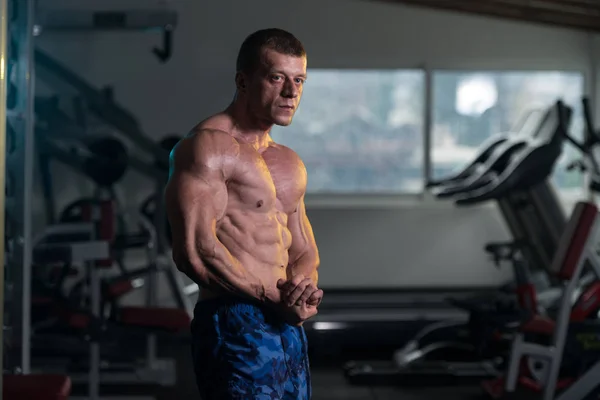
(20, 22)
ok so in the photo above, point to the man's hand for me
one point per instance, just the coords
(296, 315)
(299, 299)
(299, 291)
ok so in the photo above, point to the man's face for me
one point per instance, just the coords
(275, 88)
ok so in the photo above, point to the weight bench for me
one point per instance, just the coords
(577, 249)
(74, 244)
(149, 320)
(103, 213)
(36, 387)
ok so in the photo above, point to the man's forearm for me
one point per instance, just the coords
(307, 265)
(217, 268)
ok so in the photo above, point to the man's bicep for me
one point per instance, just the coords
(193, 182)
(200, 167)
(186, 191)
(195, 195)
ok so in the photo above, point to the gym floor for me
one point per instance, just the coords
(328, 384)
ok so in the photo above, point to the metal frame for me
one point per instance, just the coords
(76, 20)
(553, 353)
(85, 253)
(19, 184)
(3, 86)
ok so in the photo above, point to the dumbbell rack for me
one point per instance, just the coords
(16, 171)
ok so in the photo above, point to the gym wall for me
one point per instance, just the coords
(408, 245)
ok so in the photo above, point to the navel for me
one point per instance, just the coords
(259, 204)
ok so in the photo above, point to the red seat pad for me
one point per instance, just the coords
(171, 319)
(540, 325)
(119, 288)
(36, 387)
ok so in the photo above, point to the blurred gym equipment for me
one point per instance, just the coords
(16, 172)
(574, 339)
(564, 342)
(82, 20)
(527, 127)
(90, 243)
(66, 141)
(442, 350)
(86, 247)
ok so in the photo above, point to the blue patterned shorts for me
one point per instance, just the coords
(241, 350)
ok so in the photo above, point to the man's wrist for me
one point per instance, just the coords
(271, 297)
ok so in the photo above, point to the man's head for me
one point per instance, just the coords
(271, 70)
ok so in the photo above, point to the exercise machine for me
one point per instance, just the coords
(537, 365)
(487, 155)
(412, 360)
(534, 370)
(151, 159)
(19, 23)
(535, 214)
(88, 244)
(105, 160)
(532, 213)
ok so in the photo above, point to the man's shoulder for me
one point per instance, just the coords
(214, 131)
(215, 127)
(291, 156)
(287, 151)
(200, 134)
(205, 143)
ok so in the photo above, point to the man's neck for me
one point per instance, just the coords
(247, 129)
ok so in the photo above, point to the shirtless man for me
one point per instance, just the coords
(235, 202)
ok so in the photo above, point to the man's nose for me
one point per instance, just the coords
(290, 90)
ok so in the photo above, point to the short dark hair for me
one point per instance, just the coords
(273, 38)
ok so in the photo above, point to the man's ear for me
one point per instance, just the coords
(240, 81)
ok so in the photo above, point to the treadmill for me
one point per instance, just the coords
(526, 127)
(532, 212)
(530, 207)
(530, 163)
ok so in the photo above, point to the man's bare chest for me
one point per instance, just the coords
(273, 175)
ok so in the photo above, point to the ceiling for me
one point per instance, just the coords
(578, 14)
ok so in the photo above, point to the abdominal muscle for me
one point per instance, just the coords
(260, 241)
